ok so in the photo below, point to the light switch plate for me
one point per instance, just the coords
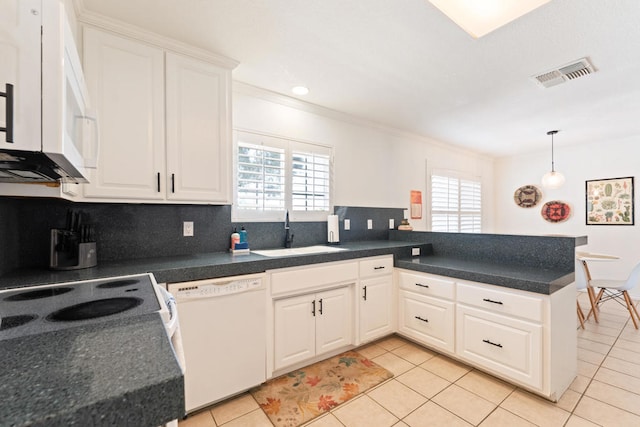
(392, 224)
(187, 228)
(347, 224)
(369, 224)
(415, 251)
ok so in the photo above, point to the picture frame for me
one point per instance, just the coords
(609, 201)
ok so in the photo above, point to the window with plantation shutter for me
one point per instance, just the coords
(310, 181)
(274, 175)
(456, 204)
(260, 180)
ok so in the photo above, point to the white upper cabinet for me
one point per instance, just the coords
(126, 83)
(198, 130)
(139, 91)
(20, 22)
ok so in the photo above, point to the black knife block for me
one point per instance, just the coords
(67, 253)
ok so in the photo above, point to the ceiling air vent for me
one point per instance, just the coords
(572, 71)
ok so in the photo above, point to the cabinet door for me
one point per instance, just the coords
(294, 330)
(375, 308)
(20, 22)
(334, 320)
(428, 320)
(198, 130)
(509, 346)
(126, 85)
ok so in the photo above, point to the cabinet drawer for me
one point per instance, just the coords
(508, 346)
(512, 303)
(428, 320)
(301, 279)
(427, 284)
(376, 266)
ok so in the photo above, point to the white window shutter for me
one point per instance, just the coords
(456, 204)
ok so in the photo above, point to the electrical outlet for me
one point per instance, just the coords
(347, 224)
(415, 251)
(187, 228)
(392, 224)
(369, 224)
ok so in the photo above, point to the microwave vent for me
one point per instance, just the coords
(572, 71)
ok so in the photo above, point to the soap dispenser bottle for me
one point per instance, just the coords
(235, 238)
(243, 235)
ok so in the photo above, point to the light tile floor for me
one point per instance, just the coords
(429, 389)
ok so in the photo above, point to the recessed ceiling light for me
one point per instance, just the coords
(481, 17)
(300, 90)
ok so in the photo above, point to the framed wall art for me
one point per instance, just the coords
(609, 201)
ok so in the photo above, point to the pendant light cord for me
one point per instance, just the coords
(552, 132)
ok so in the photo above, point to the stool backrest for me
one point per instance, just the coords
(582, 274)
(633, 279)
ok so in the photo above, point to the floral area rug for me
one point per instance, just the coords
(295, 398)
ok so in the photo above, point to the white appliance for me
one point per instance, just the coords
(224, 336)
(50, 133)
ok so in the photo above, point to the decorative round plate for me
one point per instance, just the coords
(555, 211)
(527, 196)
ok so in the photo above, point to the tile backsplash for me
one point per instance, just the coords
(128, 231)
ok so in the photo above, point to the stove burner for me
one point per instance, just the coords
(13, 321)
(94, 309)
(40, 293)
(117, 284)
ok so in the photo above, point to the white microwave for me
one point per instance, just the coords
(67, 141)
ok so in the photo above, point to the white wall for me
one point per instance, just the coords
(374, 166)
(578, 163)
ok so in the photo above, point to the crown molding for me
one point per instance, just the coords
(87, 17)
(278, 98)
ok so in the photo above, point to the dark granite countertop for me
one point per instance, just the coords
(533, 278)
(203, 266)
(119, 372)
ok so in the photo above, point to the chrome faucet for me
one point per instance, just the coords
(288, 239)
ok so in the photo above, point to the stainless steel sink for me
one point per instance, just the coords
(307, 250)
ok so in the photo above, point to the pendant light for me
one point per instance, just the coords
(552, 179)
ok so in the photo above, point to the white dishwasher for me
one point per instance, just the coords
(223, 335)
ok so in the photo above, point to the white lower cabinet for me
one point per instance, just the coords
(428, 320)
(427, 309)
(504, 344)
(311, 324)
(520, 336)
(376, 308)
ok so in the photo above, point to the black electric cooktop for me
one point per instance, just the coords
(37, 309)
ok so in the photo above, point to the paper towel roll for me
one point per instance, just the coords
(333, 229)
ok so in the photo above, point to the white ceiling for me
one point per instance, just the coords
(404, 64)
